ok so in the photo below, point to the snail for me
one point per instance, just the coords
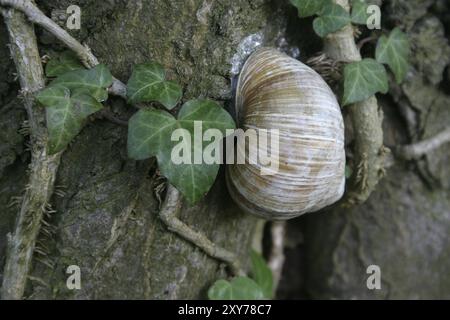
(275, 91)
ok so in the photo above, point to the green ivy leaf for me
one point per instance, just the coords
(148, 130)
(149, 134)
(62, 63)
(394, 51)
(65, 114)
(359, 12)
(262, 274)
(147, 83)
(331, 18)
(307, 8)
(240, 288)
(95, 81)
(363, 79)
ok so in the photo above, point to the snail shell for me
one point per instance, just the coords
(275, 91)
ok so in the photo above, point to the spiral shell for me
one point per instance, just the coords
(275, 91)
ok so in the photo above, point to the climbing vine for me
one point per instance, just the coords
(361, 79)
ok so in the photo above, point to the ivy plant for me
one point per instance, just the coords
(258, 286)
(394, 51)
(365, 78)
(75, 93)
(359, 13)
(94, 81)
(307, 8)
(332, 17)
(66, 113)
(150, 134)
(150, 130)
(70, 99)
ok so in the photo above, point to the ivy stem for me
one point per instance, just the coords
(108, 115)
(366, 117)
(169, 215)
(276, 255)
(36, 16)
(362, 42)
(43, 167)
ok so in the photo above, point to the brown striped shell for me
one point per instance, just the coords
(275, 91)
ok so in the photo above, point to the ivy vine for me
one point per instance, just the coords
(364, 78)
(75, 93)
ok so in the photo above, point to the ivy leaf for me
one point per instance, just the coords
(62, 63)
(363, 79)
(194, 180)
(168, 93)
(394, 51)
(150, 132)
(65, 114)
(359, 12)
(95, 81)
(240, 288)
(147, 83)
(221, 290)
(262, 274)
(209, 112)
(331, 18)
(307, 8)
